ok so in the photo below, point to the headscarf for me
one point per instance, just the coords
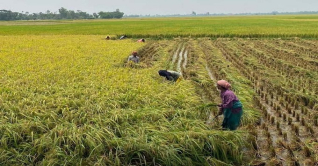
(134, 53)
(224, 84)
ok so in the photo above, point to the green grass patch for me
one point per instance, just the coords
(235, 26)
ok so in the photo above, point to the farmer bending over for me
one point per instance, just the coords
(231, 107)
(133, 57)
(170, 75)
(122, 37)
(141, 40)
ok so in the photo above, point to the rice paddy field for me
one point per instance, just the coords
(68, 96)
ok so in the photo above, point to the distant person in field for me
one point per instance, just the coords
(141, 40)
(133, 57)
(107, 38)
(231, 107)
(122, 37)
(170, 75)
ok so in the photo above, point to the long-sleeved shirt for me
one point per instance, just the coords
(228, 98)
(133, 58)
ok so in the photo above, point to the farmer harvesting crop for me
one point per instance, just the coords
(170, 75)
(231, 107)
(133, 57)
(122, 37)
(141, 40)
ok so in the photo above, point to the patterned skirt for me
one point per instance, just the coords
(232, 116)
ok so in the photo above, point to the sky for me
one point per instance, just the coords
(162, 7)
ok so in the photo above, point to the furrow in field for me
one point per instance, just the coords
(175, 55)
(306, 52)
(271, 77)
(284, 54)
(309, 44)
(286, 70)
(185, 57)
(180, 57)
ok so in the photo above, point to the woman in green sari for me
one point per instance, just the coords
(231, 107)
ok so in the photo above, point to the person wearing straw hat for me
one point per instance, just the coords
(133, 57)
(231, 107)
(170, 75)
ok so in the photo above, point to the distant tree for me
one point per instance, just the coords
(72, 15)
(83, 15)
(109, 15)
(34, 16)
(118, 14)
(8, 15)
(95, 15)
(20, 16)
(63, 13)
(194, 13)
(105, 15)
(275, 12)
(49, 14)
(41, 16)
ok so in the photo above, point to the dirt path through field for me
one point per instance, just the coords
(210, 73)
(185, 57)
(180, 57)
(174, 57)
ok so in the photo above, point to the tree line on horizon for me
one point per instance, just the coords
(63, 13)
(194, 14)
